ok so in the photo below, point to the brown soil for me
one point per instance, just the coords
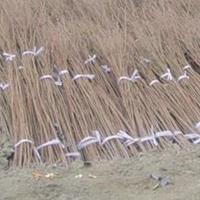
(118, 179)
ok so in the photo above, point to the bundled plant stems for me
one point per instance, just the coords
(121, 46)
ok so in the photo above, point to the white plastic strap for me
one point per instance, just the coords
(91, 59)
(85, 144)
(187, 67)
(196, 141)
(111, 138)
(192, 136)
(129, 142)
(164, 134)
(124, 135)
(106, 68)
(197, 125)
(34, 52)
(184, 76)
(154, 138)
(38, 51)
(85, 140)
(147, 138)
(167, 75)
(73, 154)
(97, 134)
(87, 76)
(153, 82)
(9, 57)
(23, 141)
(50, 143)
(64, 71)
(133, 77)
(3, 86)
(37, 153)
(30, 142)
(124, 78)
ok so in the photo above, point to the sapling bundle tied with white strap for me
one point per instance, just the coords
(91, 83)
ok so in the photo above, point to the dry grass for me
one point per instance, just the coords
(120, 33)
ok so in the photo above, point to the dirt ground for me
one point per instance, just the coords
(115, 180)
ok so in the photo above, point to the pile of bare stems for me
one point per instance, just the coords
(151, 36)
